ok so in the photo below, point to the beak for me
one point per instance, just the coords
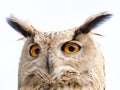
(48, 63)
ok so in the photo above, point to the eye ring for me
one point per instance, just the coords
(71, 47)
(34, 50)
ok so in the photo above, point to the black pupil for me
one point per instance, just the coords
(37, 50)
(71, 48)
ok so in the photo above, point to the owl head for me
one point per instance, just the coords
(64, 60)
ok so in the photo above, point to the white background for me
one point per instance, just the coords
(49, 15)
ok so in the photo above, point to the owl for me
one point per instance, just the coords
(61, 60)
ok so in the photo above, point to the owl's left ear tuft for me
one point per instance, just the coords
(92, 23)
(21, 27)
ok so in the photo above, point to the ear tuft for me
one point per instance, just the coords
(21, 27)
(92, 23)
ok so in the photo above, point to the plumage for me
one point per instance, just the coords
(64, 60)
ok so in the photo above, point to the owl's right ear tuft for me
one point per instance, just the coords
(21, 27)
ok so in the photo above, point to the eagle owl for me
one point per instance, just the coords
(64, 60)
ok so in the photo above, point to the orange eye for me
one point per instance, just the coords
(34, 50)
(71, 47)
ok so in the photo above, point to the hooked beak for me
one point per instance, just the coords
(48, 63)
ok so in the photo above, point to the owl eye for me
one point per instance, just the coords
(71, 47)
(34, 50)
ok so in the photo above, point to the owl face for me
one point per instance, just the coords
(60, 60)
